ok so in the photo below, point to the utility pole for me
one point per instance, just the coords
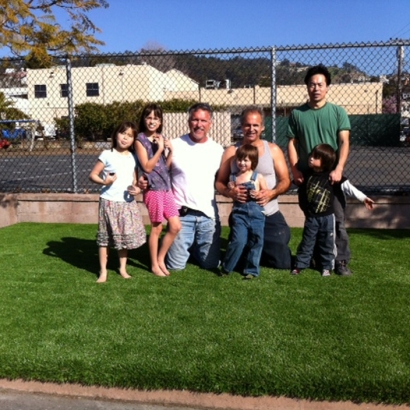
(400, 58)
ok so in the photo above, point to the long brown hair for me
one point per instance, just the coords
(147, 110)
(122, 128)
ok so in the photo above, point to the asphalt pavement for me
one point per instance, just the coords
(368, 168)
(17, 400)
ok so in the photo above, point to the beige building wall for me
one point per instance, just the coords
(144, 82)
(179, 81)
(115, 83)
(234, 97)
(364, 98)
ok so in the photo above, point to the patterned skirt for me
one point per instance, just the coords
(120, 225)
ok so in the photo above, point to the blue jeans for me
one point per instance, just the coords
(200, 237)
(247, 230)
(276, 252)
(319, 230)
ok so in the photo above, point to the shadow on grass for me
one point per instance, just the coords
(83, 254)
(381, 234)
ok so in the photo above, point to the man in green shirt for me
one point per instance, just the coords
(320, 122)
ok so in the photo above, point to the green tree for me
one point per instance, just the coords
(9, 112)
(29, 28)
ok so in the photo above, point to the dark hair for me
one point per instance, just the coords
(248, 150)
(122, 128)
(318, 69)
(326, 154)
(147, 110)
(200, 106)
(252, 110)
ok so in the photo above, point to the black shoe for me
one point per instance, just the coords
(223, 273)
(342, 269)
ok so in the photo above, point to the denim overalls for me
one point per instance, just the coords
(247, 223)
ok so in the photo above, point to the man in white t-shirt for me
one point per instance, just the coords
(195, 161)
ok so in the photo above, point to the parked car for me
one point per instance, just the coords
(237, 135)
(405, 137)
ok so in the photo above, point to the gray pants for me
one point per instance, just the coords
(342, 239)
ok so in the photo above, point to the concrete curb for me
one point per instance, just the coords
(186, 399)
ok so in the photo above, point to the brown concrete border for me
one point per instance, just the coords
(391, 212)
(171, 398)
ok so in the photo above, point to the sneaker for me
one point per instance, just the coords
(342, 269)
(325, 272)
(249, 277)
(295, 271)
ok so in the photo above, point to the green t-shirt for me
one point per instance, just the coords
(311, 127)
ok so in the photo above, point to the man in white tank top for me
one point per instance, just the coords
(272, 165)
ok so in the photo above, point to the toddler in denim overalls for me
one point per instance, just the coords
(247, 219)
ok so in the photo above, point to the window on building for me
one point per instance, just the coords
(93, 90)
(40, 91)
(64, 90)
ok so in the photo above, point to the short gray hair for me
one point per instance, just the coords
(252, 110)
(200, 106)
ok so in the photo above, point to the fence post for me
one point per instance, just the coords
(71, 120)
(400, 57)
(273, 93)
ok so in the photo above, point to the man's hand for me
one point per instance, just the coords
(239, 193)
(263, 196)
(297, 177)
(335, 176)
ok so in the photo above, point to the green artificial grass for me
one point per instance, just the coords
(336, 338)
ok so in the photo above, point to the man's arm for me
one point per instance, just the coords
(344, 146)
(282, 177)
(281, 169)
(293, 160)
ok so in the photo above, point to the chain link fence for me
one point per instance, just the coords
(55, 121)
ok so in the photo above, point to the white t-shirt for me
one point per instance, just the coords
(193, 170)
(123, 165)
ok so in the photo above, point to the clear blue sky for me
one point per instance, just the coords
(129, 25)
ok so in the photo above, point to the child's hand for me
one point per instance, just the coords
(369, 203)
(110, 178)
(160, 141)
(133, 190)
(142, 183)
(168, 144)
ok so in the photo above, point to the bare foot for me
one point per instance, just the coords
(157, 271)
(164, 268)
(102, 278)
(125, 275)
